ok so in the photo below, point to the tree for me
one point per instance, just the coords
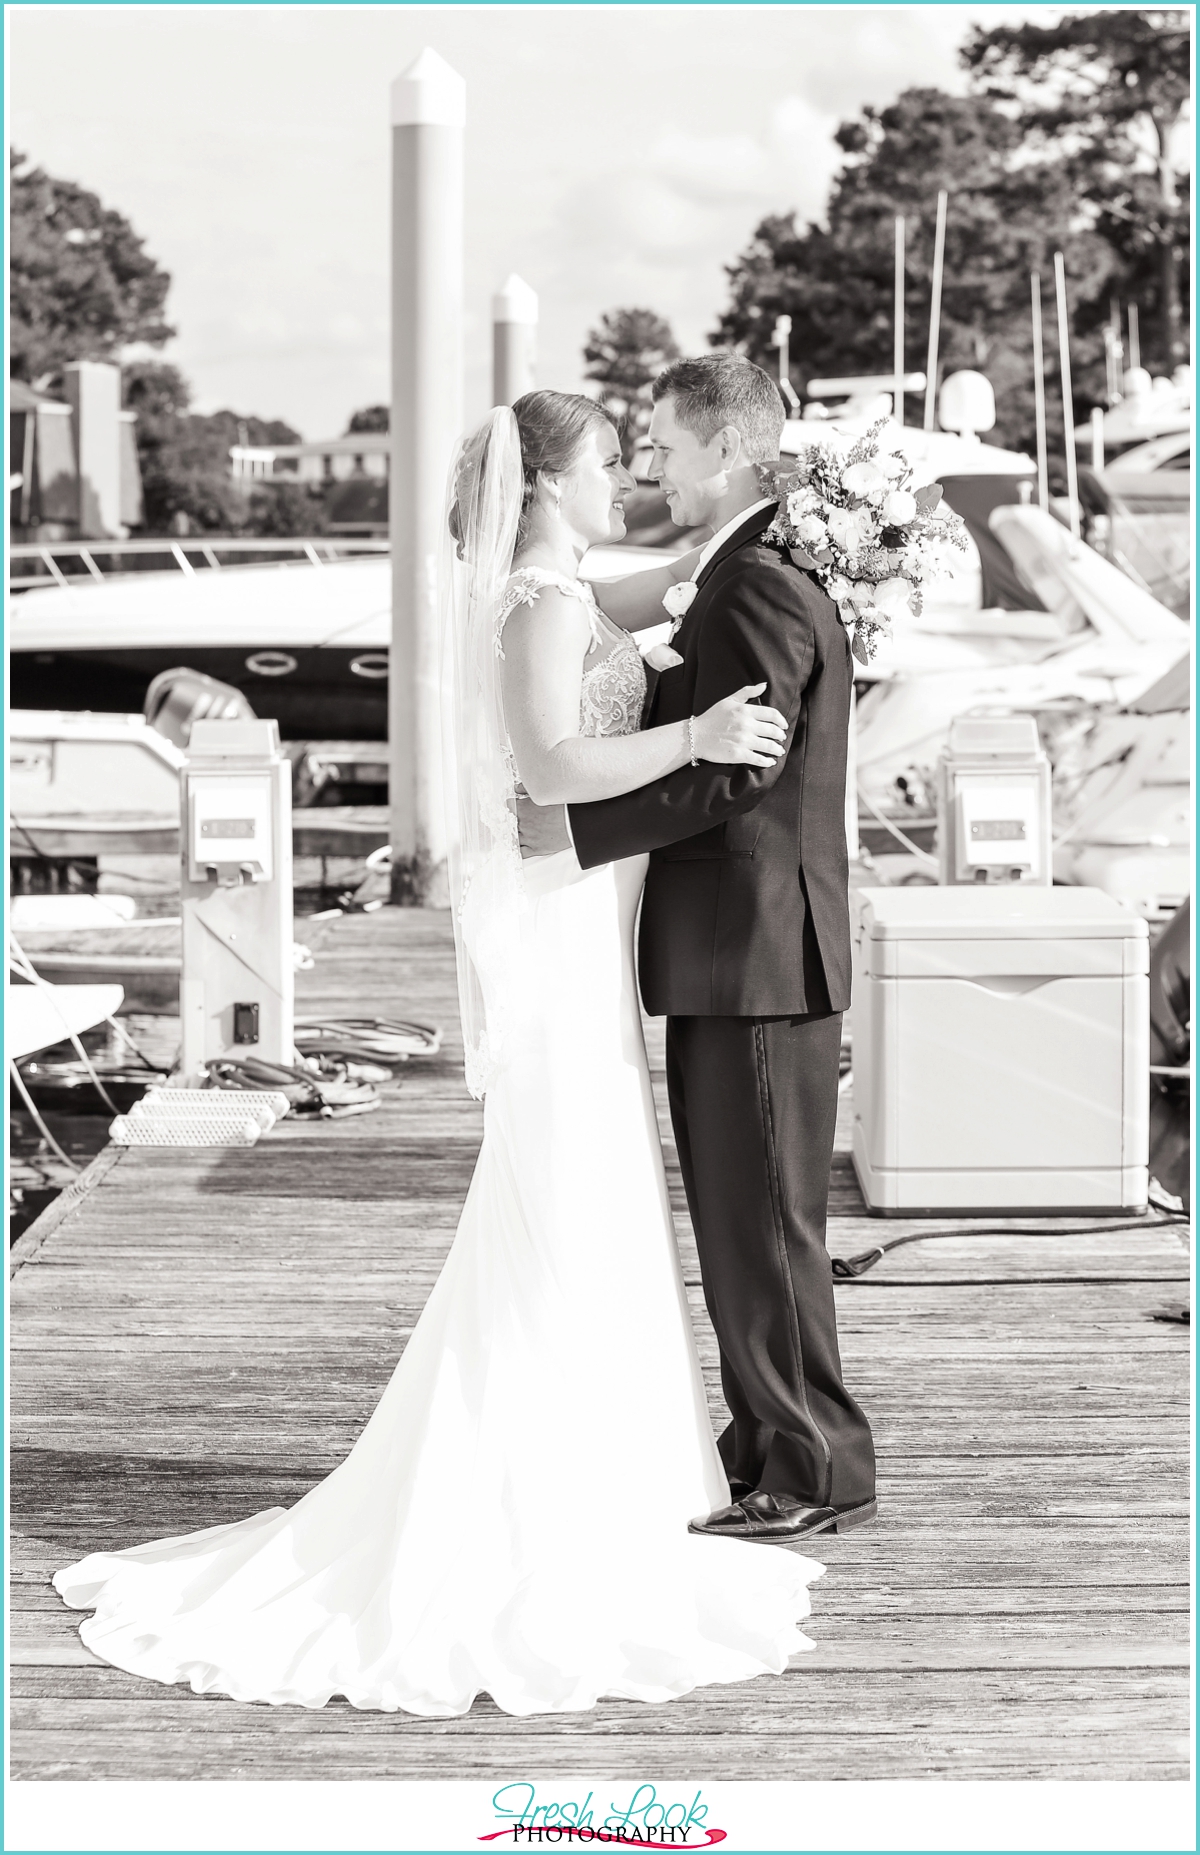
(369, 419)
(624, 354)
(1104, 94)
(184, 473)
(1007, 215)
(82, 285)
(184, 458)
(280, 507)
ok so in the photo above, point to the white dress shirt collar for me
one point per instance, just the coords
(722, 535)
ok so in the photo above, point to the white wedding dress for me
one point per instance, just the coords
(513, 1519)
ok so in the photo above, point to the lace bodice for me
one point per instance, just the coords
(613, 689)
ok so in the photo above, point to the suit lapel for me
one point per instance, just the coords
(753, 525)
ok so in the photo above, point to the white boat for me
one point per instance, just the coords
(38, 1016)
(1124, 656)
(306, 643)
(306, 639)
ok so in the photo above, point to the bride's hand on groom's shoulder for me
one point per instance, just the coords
(542, 829)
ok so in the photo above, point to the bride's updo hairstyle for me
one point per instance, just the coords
(552, 428)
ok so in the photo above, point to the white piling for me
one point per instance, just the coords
(428, 114)
(780, 336)
(1064, 357)
(514, 338)
(935, 310)
(1135, 345)
(1113, 352)
(898, 329)
(1039, 390)
(93, 392)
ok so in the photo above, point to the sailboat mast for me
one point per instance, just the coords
(1064, 356)
(1039, 390)
(898, 328)
(935, 310)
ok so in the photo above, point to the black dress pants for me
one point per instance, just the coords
(753, 1103)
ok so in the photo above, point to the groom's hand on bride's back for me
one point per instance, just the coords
(542, 828)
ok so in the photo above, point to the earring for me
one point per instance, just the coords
(557, 500)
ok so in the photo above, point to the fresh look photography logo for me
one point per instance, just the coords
(647, 1821)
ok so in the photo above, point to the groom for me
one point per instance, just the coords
(745, 948)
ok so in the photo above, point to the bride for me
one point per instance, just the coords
(513, 1519)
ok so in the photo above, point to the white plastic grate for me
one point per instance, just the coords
(188, 1104)
(226, 1099)
(197, 1129)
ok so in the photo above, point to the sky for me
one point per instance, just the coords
(615, 156)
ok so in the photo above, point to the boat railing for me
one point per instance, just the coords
(64, 563)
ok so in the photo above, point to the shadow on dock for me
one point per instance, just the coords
(203, 1334)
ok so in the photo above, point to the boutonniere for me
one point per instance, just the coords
(870, 536)
(677, 599)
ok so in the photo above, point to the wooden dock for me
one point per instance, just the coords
(201, 1334)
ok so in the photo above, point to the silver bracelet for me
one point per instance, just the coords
(692, 740)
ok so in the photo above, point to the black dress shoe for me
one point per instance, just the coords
(780, 1519)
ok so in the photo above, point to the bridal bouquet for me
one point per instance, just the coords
(872, 541)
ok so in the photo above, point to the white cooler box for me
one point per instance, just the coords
(1001, 1049)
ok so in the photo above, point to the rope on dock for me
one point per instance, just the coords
(59, 1209)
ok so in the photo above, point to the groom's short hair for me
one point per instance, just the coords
(724, 388)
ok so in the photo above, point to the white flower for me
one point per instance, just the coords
(802, 502)
(679, 597)
(863, 479)
(811, 530)
(899, 507)
(850, 528)
(838, 588)
(892, 465)
(892, 598)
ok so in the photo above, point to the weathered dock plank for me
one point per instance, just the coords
(203, 1334)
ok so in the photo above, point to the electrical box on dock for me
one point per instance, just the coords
(993, 792)
(236, 988)
(1001, 1051)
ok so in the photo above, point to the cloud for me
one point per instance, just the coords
(692, 194)
(615, 155)
(711, 169)
(808, 156)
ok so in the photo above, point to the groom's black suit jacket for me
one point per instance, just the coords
(745, 908)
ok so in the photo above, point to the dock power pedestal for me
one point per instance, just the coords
(236, 995)
(993, 803)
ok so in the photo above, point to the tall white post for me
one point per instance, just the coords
(898, 329)
(935, 311)
(1097, 438)
(428, 109)
(1113, 353)
(779, 339)
(1039, 390)
(1135, 344)
(514, 340)
(93, 392)
(1064, 359)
